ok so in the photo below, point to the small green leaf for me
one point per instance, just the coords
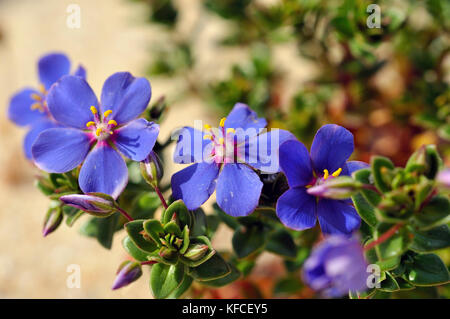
(165, 279)
(395, 246)
(389, 284)
(182, 214)
(220, 282)
(172, 228)
(135, 230)
(280, 242)
(435, 213)
(426, 270)
(154, 229)
(214, 268)
(179, 291)
(364, 176)
(430, 240)
(199, 226)
(227, 219)
(287, 286)
(133, 250)
(380, 165)
(101, 228)
(365, 210)
(247, 240)
(389, 264)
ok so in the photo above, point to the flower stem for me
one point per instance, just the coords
(372, 188)
(383, 237)
(125, 214)
(161, 197)
(149, 262)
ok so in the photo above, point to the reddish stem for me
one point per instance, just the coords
(149, 262)
(161, 197)
(383, 237)
(125, 214)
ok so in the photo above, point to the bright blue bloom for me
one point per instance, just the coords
(224, 159)
(297, 209)
(336, 266)
(28, 107)
(95, 133)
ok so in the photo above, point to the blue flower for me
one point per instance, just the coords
(29, 108)
(336, 267)
(224, 159)
(297, 209)
(95, 133)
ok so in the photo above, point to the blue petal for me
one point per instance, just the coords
(136, 139)
(70, 101)
(337, 217)
(241, 116)
(296, 163)
(31, 136)
(261, 152)
(195, 184)
(80, 71)
(59, 150)
(353, 166)
(126, 96)
(20, 111)
(52, 67)
(238, 190)
(104, 171)
(190, 146)
(331, 148)
(296, 209)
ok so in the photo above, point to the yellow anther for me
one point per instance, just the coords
(222, 122)
(36, 97)
(207, 137)
(98, 131)
(337, 172)
(90, 123)
(93, 110)
(107, 113)
(231, 130)
(221, 140)
(112, 122)
(207, 127)
(42, 89)
(37, 106)
(325, 174)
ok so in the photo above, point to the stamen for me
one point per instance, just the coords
(325, 174)
(36, 97)
(222, 122)
(207, 127)
(207, 137)
(231, 130)
(221, 140)
(42, 89)
(90, 123)
(337, 172)
(37, 106)
(98, 131)
(112, 122)
(93, 110)
(107, 113)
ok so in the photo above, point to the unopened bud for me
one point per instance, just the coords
(128, 272)
(97, 204)
(52, 220)
(151, 169)
(196, 252)
(336, 188)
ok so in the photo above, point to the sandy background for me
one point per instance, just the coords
(113, 37)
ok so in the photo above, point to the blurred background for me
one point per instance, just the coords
(298, 63)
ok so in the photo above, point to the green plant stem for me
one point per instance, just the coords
(383, 237)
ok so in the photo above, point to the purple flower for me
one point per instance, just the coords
(224, 159)
(336, 266)
(128, 272)
(93, 203)
(28, 107)
(96, 133)
(297, 209)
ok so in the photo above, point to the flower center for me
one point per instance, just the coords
(101, 127)
(326, 175)
(223, 145)
(40, 104)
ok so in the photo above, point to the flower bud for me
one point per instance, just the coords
(128, 272)
(97, 204)
(443, 178)
(151, 169)
(196, 252)
(157, 109)
(52, 220)
(336, 188)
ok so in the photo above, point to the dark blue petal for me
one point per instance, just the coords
(331, 148)
(241, 116)
(136, 139)
(52, 67)
(238, 190)
(31, 136)
(59, 150)
(126, 96)
(190, 146)
(261, 152)
(20, 111)
(296, 209)
(80, 71)
(337, 217)
(296, 163)
(70, 100)
(353, 166)
(195, 184)
(104, 171)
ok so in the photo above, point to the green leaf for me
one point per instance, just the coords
(135, 230)
(380, 166)
(214, 268)
(364, 176)
(182, 214)
(435, 213)
(430, 240)
(426, 270)
(395, 246)
(199, 226)
(287, 286)
(227, 219)
(389, 264)
(154, 229)
(365, 210)
(280, 242)
(101, 228)
(247, 240)
(164, 279)
(72, 214)
(389, 284)
(179, 291)
(133, 250)
(220, 282)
